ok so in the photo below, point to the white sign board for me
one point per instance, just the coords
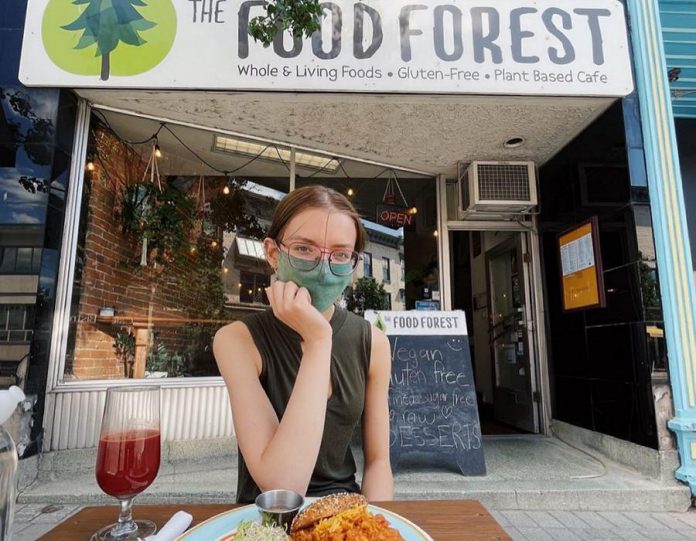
(577, 255)
(534, 47)
(415, 323)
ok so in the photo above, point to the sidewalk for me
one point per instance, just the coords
(34, 520)
(523, 473)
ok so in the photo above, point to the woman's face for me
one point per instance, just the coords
(326, 229)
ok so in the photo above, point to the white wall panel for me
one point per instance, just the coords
(188, 413)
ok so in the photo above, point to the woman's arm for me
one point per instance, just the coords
(377, 483)
(279, 454)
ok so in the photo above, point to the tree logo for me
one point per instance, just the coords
(108, 37)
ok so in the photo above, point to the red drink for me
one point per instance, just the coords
(128, 462)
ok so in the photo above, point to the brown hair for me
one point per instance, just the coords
(315, 196)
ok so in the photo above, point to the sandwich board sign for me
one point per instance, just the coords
(433, 414)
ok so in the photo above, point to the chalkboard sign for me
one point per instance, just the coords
(432, 400)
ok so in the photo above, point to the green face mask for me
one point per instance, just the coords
(323, 285)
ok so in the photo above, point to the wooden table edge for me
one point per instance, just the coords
(454, 513)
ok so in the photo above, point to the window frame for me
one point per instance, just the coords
(367, 264)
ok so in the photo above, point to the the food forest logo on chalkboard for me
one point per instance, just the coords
(105, 38)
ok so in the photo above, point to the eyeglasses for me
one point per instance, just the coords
(306, 257)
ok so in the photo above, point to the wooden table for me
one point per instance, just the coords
(446, 520)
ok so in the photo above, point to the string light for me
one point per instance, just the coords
(435, 233)
(413, 210)
(351, 192)
(225, 270)
(226, 190)
(158, 150)
(193, 249)
(213, 244)
(90, 163)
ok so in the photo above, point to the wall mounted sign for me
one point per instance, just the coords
(581, 267)
(433, 411)
(529, 47)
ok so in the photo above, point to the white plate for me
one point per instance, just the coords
(225, 524)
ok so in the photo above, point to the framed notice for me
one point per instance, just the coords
(582, 277)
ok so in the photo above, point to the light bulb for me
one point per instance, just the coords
(225, 270)
(213, 244)
(226, 190)
(158, 151)
(351, 192)
(435, 233)
(90, 165)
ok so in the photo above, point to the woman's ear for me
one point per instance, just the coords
(271, 249)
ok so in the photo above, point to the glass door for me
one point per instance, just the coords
(510, 327)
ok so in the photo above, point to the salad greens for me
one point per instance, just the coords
(252, 531)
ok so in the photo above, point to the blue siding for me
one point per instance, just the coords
(678, 18)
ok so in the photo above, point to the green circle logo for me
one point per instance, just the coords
(104, 38)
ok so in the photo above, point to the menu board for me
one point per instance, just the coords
(433, 411)
(581, 268)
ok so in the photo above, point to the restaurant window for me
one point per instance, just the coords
(367, 263)
(165, 259)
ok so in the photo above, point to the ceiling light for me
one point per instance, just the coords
(514, 142)
(224, 143)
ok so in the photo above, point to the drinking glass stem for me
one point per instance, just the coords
(125, 524)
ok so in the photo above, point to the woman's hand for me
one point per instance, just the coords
(293, 306)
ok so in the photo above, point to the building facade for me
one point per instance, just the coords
(116, 302)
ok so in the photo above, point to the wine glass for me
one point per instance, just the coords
(128, 458)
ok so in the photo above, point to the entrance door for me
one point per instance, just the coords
(510, 328)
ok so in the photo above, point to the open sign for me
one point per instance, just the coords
(395, 217)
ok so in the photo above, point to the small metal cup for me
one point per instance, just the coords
(279, 507)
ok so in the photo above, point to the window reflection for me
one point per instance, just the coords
(164, 260)
(26, 176)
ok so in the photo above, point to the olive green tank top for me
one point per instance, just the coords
(280, 350)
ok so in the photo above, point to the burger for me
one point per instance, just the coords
(341, 517)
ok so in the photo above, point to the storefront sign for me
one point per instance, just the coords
(395, 216)
(432, 398)
(535, 47)
(581, 267)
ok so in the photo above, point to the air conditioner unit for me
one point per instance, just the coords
(496, 189)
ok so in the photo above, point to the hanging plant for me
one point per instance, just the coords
(228, 211)
(164, 218)
(300, 17)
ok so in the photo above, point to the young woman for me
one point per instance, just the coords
(302, 374)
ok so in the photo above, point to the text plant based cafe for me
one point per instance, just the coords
(182, 100)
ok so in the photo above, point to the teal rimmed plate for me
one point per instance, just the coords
(225, 524)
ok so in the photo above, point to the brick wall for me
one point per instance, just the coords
(111, 275)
